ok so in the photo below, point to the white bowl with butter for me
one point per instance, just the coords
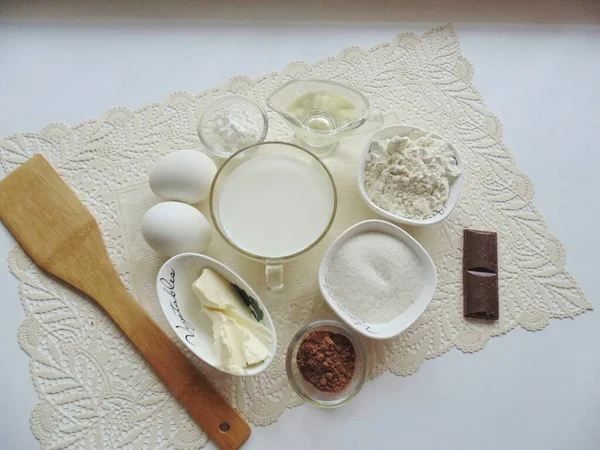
(212, 318)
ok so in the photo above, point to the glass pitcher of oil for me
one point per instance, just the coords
(321, 112)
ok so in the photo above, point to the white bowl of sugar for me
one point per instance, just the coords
(377, 278)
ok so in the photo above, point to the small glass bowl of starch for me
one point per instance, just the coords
(231, 123)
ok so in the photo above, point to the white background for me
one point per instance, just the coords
(524, 390)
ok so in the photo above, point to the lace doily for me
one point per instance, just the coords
(96, 391)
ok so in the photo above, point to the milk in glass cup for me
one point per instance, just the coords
(272, 202)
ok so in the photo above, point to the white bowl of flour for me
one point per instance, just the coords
(410, 176)
(377, 278)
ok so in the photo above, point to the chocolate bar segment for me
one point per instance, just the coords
(480, 275)
(481, 295)
(480, 251)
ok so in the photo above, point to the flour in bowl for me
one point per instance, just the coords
(410, 177)
(237, 129)
(375, 277)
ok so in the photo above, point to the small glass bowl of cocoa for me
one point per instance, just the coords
(326, 363)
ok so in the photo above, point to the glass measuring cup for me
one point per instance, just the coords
(272, 202)
(321, 112)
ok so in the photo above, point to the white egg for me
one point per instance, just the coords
(171, 228)
(183, 176)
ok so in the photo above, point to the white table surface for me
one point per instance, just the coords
(524, 390)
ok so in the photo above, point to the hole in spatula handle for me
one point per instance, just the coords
(224, 427)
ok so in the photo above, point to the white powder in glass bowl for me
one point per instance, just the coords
(375, 277)
(236, 129)
(231, 123)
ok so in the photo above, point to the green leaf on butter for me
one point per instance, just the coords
(250, 302)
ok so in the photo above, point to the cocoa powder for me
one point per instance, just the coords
(326, 360)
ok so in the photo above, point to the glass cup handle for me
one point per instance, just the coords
(274, 277)
(375, 117)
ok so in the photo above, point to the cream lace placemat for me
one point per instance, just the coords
(95, 391)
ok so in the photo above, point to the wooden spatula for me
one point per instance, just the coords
(62, 237)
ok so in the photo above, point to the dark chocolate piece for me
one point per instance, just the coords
(480, 275)
(481, 299)
(480, 251)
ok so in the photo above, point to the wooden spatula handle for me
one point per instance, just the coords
(204, 404)
(62, 237)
